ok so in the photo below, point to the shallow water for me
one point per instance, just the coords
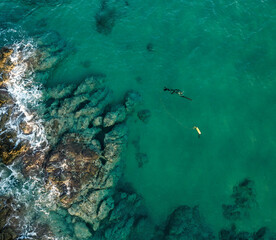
(222, 54)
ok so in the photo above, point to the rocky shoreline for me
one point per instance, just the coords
(81, 163)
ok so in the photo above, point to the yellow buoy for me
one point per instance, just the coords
(198, 131)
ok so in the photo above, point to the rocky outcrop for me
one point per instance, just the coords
(70, 167)
(13, 121)
(51, 50)
(75, 109)
(116, 115)
(124, 217)
(10, 147)
(83, 164)
(7, 232)
(81, 231)
(6, 64)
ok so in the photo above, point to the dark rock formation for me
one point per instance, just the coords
(150, 47)
(10, 148)
(69, 168)
(244, 199)
(144, 115)
(105, 19)
(108, 14)
(51, 50)
(83, 164)
(124, 217)
(7, 232)
(132, 99)
(244, 194)
(233, 234)
(5, 64)
(141, 158)
(185, 223)
(13, 122)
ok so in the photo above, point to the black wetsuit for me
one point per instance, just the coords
(178, 91)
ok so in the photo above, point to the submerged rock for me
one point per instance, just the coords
(94, 208)
(233, 233)
(244, 196)
(186, 223)
(85, 166)
(150, 47)
(82, 231)
(82, 163)
(116, 115)
(144, 115)
(108, 14)
(51, 50)
(141, 158)
(132, 99)
(125, 217)
(105, 20)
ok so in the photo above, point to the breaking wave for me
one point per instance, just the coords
(27, 193)
(27, 95)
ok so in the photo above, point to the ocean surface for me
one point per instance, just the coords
(222, 54)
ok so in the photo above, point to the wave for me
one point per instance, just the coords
(29, 194)
(27, 97)
(26, 94)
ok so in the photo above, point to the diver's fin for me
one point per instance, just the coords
(186, 97)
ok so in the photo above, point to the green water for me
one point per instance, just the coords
(223, 55)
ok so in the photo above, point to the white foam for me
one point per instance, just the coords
(27, 95)
(32, 194)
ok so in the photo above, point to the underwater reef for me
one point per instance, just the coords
(109, 12)
(80, 160)
(62, 154)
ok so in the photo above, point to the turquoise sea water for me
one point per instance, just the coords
(221, 54)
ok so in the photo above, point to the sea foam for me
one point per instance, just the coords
(27, 95)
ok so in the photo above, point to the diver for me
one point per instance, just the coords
(177, 91)
(198, 131)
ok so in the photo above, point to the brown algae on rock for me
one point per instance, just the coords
(6, 64)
